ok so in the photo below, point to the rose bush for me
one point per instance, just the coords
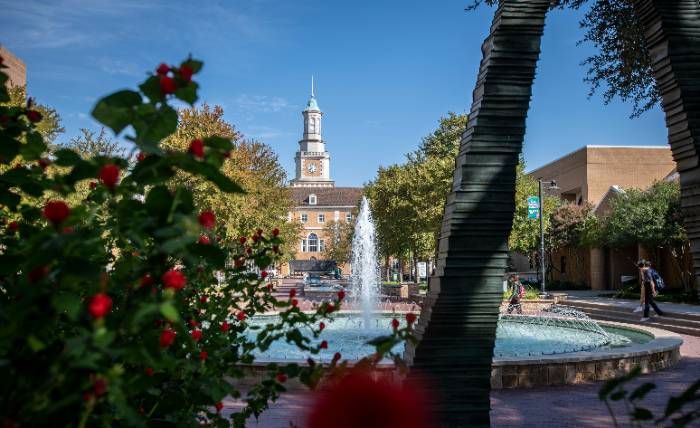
(126, 308)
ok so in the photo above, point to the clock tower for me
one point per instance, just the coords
(312, 160)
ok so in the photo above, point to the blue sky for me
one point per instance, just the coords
(385, 70)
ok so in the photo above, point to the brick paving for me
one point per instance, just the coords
(562, 406)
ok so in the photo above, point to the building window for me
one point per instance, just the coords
(304, 247)
(336, 215)
(312, 199)
(304, 218)
(321, 245)
(321, 218)
(313, 243)
(348, 217)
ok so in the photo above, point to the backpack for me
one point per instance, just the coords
(660, 284)
(521, 291)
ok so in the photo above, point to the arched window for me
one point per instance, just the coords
(313, 243)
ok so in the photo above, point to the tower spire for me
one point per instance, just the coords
(312, 86)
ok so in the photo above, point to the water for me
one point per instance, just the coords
(348, 335)
(364, 278)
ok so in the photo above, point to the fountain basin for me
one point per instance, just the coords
(515, 364)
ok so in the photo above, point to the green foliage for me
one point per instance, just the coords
(573, 225)
(339, 245)
(91, 144)
(123, 307)
(50, 125)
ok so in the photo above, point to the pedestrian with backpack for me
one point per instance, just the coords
(649, 279)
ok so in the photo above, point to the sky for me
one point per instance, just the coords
(385, 71)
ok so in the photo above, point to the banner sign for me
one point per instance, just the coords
(533, 207)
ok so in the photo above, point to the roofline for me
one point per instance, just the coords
(324, 206)
(594, 146)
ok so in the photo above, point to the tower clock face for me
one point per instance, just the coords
(312, 167)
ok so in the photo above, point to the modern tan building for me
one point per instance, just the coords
(317, 201)
(592, 175)
(16, 69)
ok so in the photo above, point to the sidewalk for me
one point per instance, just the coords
(592, 296)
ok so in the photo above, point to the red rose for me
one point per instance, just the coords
(219, 406)
(259, 231)
(197, 148)
(410, 318)
(203, 299)
(93, 184)
(44, 163)
(239, 262)
(255, 238)
(242, 240)
(192, 322)
(384, 404)
(336, 357)
(225, 327)
(249, 251)
(292, 292)
(295, 302)
(281, 377)
(99, 305)
(167, 85)
(167, 337)
(33, 116)
(324, 345)
(196, 335)
(38, 273)
(174, 279)
(203, 355)
(162, 69)
(321, 326)
(227, 155)
(275, 232)
(395, 323)
(207, 219)
(341, 295)
(56, 212)
(68, 229)
(146, 280)
(13, 226)
(263, 274)
(186, 73)
(240, 316)
(109, 175)
(141, 156)
(149, 371)
(269, 287)
(99, 388)
(330, 308)
(204, 240)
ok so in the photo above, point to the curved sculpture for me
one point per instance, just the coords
(672, 32)
(457, 327)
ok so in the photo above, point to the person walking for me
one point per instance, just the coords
(648, 288)
(516, 294)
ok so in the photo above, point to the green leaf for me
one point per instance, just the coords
(116, 110)
(642, 414)
(9, 147)
(34, 147)
(68, 303)
(151, 88)
(194, 64)
(188, 93)
(169, 311)
(377, 341)
(158, 126)
(158, 201)
(10, 199)
(35, 344)
(215, 255)
(642, 391)
(66, 157)
(618, 395)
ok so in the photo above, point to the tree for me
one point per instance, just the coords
(621, 64)
(253, 165)
(50, 124)
(574, 227)
(339, 245)
(653, 219)
(91, 144)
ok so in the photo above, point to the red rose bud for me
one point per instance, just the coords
(33, 116)
(197, 148)
(269, 287)
(219, 406)
(196, 335)
(146, 280)
(225, 327)
(341, 295)
(186, 73)
(255, 238)
(395, 323)
(204, 240)
(13, 226)
(281, 377)
(295, 302)
(321, 326)
(149, 371)
(324, 345)
(99, 388)
(192, 322)
(410, 318)
(174, 279)
(276, 249)
(275, 232)
(167, 85)
(203, 299)
(93, 184)
(167, 337)
(100, 305)
(292, 292)
(141, 156)
(249, 251)
(56, 212)
(44, 163)
(239, 262)
(162, 69)
(330, 308)
(240, 316)
(259, 231)
(207, 219)
(227, 155)
(203, 355)
(68, 229)
(109, 175)
(337, 357)
(263, 274)
(37, 274)
(242, 240)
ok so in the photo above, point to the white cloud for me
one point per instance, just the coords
(261, 103)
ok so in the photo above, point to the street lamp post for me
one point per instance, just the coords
(543, 267)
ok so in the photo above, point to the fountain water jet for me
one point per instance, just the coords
(365, 267)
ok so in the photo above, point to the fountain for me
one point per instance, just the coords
(365, 268)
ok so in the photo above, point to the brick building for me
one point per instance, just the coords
(16, 69)
(316, 199)
(594, 174)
